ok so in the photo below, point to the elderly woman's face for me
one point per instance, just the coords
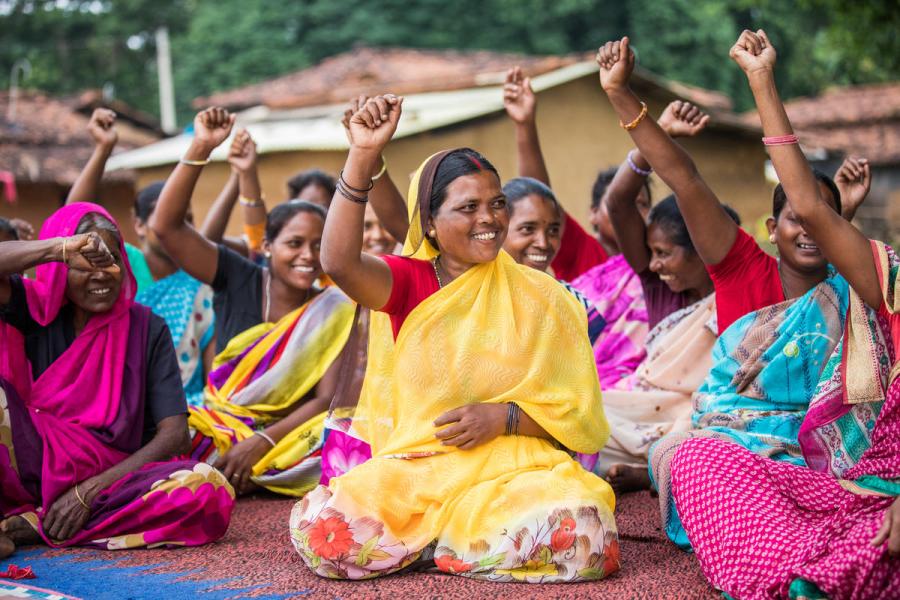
(471, 224)
(96, 291)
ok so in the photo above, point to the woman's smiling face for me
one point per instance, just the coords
(535, 231)
(471, 224)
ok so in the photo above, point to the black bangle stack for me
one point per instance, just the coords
(347, 191)
(513, 413)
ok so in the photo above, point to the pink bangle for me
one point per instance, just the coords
(781, 140)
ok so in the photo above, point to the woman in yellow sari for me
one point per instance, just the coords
(280, 332)
(480, 376)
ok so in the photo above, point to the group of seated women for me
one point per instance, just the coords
(464, 379)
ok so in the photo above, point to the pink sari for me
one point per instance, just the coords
(77, 420)
(767, 529)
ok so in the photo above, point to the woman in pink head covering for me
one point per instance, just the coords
(93, 417)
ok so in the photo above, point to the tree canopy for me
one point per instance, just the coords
(77, 44)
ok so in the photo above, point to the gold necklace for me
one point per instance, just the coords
(436, 274)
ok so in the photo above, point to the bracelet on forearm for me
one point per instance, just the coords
(382, 171)
(637, 120)
(513, 412)
(781, 140)
(343, 190)
(265, 436)
(250, 203)
(635, 168)
(80, 498)
(194, 163)
(65, 261)
(353, 189)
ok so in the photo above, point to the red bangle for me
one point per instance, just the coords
(781, 140)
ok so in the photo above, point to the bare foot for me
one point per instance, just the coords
(625, 479)
(19, 531)
(6, 546)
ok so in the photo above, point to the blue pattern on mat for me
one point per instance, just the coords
(103, 579)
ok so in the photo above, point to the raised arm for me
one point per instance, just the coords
(386, 199)
(841, 243)
(187, 247)
(84, 252)
(521, 106)
(680, 119)
(364, 278)
(712, 230)
(216, 220)
(854, 180)
(102, 129)
(244, 161)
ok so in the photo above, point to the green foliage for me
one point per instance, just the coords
(77, 44)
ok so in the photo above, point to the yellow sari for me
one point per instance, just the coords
(514, 509)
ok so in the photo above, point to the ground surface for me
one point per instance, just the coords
(256, 560)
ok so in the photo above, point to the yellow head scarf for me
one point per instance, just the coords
(501, 332)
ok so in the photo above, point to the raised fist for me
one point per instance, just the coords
(518, 97)
(88, 249)
(102, 128)
(854, 180)
(351, 109)
(683, 119)
(213, 126)
(242, 154)
(753, 52)
(372, 126)
(616, 60)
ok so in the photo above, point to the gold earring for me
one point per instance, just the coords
(772, 239)
(431, 233)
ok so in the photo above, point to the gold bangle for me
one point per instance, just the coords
(637, 120)
(65, 239)
(194, 163)
(80, 499)
(383, 169)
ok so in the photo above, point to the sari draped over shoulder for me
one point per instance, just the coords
(516, 508)
(262, 375)
(781, 530)
(766, 369)
(84, 414)
(655, 399)
(616, 293)
(186, 305)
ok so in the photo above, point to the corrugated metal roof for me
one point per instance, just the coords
(319, 128)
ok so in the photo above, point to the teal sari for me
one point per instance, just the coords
(186, 305)
(767, 367)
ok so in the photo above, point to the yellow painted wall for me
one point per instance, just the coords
(579, 133)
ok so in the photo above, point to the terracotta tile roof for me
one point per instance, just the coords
(859, 120)
(374, 70)
(48, 139)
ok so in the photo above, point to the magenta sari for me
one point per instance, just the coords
(84, 414)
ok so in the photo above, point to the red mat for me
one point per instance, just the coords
(257, 551)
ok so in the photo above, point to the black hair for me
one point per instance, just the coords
(93, 221)
(521, 187)
(7, 228)
(284, 212)
(604, 178)
(667, 215)
(145, 202)
(779, 198)
(300, 181)
(460, 162)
